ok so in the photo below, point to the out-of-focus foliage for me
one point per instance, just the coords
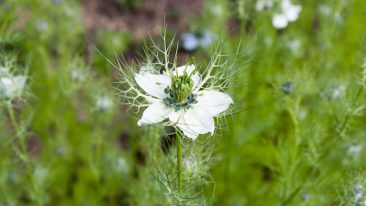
(296, 136)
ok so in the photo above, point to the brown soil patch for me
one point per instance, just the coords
(147, 19)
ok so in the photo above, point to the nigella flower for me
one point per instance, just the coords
(77, 75)
(288, 87)
(294, 46)
(190, 164)
(288, 13)
(10, 86)
(56, 1)
(325, 9)
(359, 194)
(191, 41)
(121, 165)
(353, 150)
(41, 25)
(104, 103)
(263, 4)
(178, 95)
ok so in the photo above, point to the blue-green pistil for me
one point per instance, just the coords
(180, 93)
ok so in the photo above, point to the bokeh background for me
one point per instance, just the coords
(297, 138)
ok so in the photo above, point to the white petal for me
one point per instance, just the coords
(189, 69)
(6, 85)
(279, 21)
(177, 119)
(155, 113)
(199, 120)
(213, 101)
(193, 122)
(153, 84)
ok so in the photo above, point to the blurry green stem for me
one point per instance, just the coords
(179, 161)
(12, 117)
(16, 127)
(354, 102)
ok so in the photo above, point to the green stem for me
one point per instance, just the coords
(179, 161)
(12, 117)
(354, 102)
(17, 130)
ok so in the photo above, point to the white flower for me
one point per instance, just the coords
(289, 13)
(77, 75)
(338, 92)
(263, 4)
(325, 9)
(103, 103)
(41, 25)
(122, 165)
(178, 96)
(10, 86)
(294, 46)
(191, 164)
(191, 41)
(354, 150)
(207, 38)
(359, 194)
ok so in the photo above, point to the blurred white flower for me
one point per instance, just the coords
(59, 150)
(77, 75)
(56, 1)
(338, 92)
(10, 86)
(288, 13)
(359, 194)
(178, 95)
(41, 25)
(40, 175)
(338, 18)
(302, 114)
(104, 103)
(288, 87)
(190, 164)
(325, 9)
(206, 39)
(122, 165)
(354, 150)
(264, 4)
(69, 11)
(12, 177)
(294, 46)
(305, 196)
(268, 41)
(216, 9)
(191, 41)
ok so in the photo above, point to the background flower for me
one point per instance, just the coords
(10, 86)
(288, 13)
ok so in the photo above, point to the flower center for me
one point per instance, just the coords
(181, 87)
(180, 93)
